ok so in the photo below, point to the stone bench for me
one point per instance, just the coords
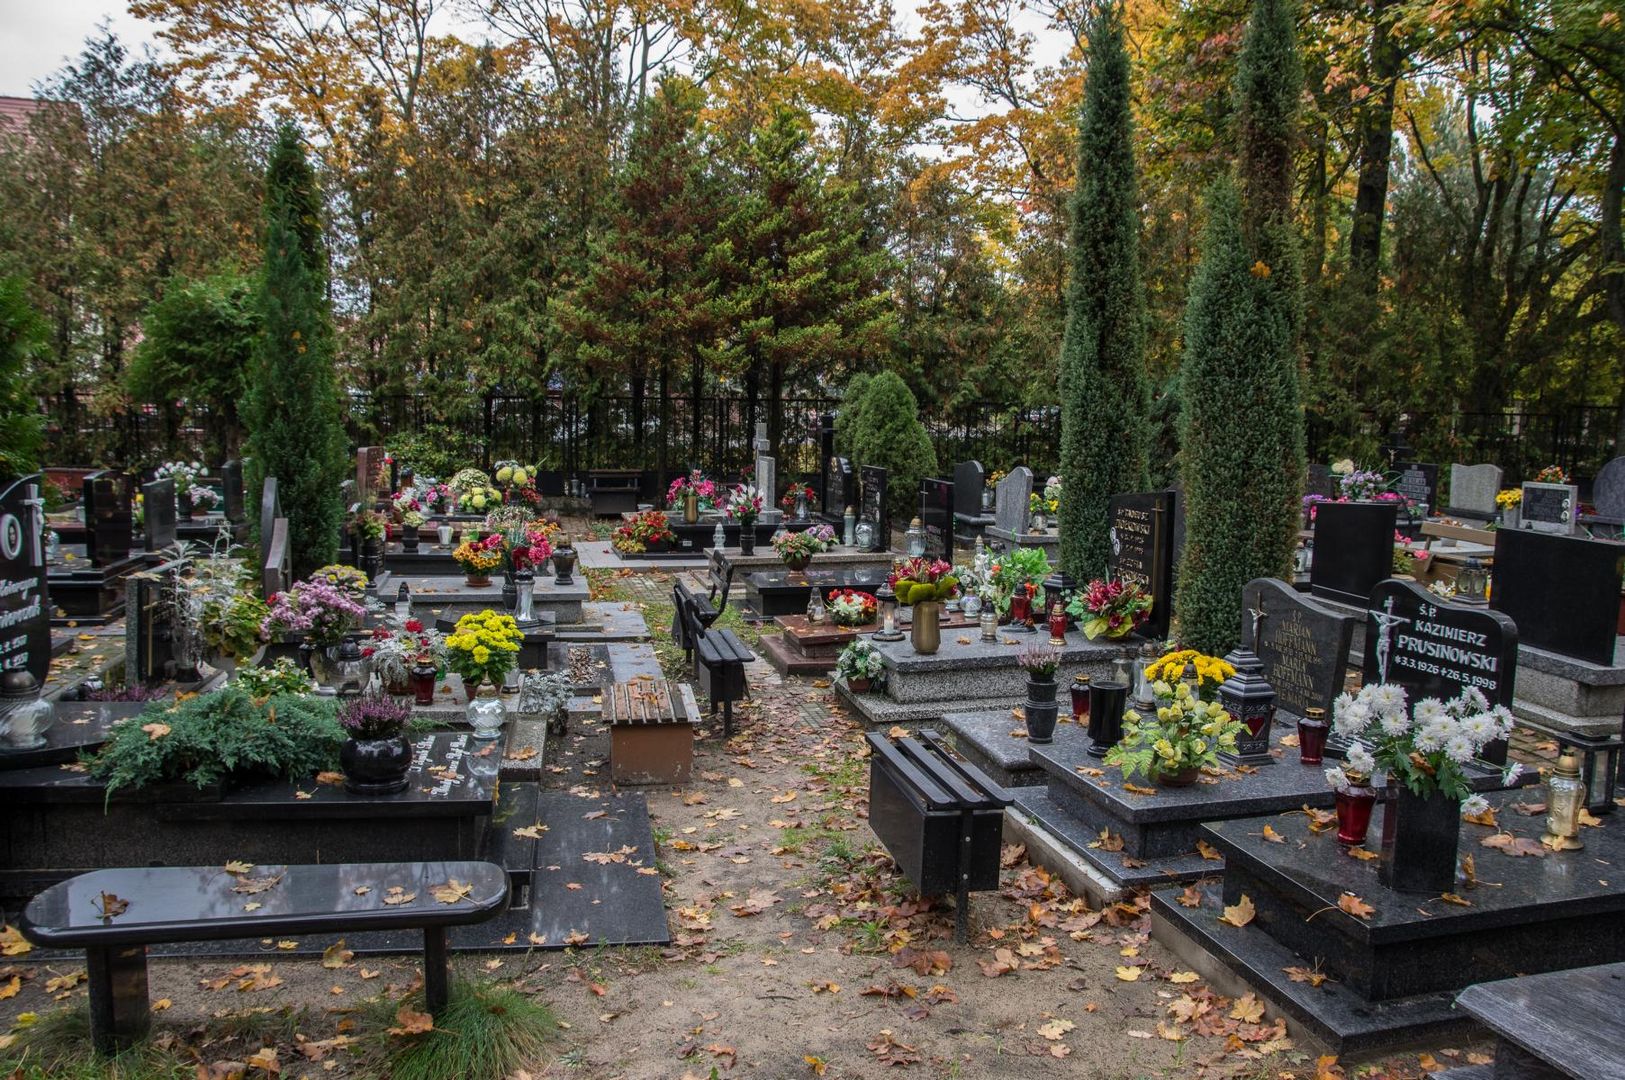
(1552, 1026)
(115, 914)
(651, 731)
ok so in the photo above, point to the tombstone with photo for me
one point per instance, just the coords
(839, 489)
(25, 606)
(1549, 508)
(1141, 530)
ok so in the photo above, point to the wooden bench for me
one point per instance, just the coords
(941, 819)
(719, 656)
(651, 731)
(683, 597)
(1552, 1026)
(115, 914)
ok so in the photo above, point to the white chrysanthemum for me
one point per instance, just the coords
(1352, 720)
(1474, 700)
(1395, 724)
(1360, 759)
(1503, 721)
(1460, 749)
(1473, 805)
(1344, 701)
(1431, 739)
(1367, 694)
(1510, 776)
(1480, 727)
(1387, 696)
(1336, 777)
(1429, 708)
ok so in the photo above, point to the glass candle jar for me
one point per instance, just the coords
(1080, 698)
(1355, 801)
(487, 713)
(1312, 732)
(988, 621)
(1565, 799)
(423, 672)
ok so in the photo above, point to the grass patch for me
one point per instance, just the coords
(486, 1030)
(796, 838)
(602, 584)
(57, 1047)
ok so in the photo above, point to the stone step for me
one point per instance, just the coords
(1118, 870)
(995, 741)
(877, 710)
(987, 669)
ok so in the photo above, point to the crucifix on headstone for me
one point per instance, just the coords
(1259, 615)
(1386, 620)
(766, 474)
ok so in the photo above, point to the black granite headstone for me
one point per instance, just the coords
(1435, 649)
(1321, 482)
(1561, 591)
(1354, 549)
(158, 512)
(109, 516)
(1418, 482)
(1141, 529)
(826, 452)
(270, 507)
(1549, 508)
(1304, 645)
(231, 483)
(25, 608)
(872, 506)
(937, 515)
(838, 487)
(969, 481)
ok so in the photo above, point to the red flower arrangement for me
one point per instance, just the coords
(852, 607)
(791, 493)
(1110, 608)
(649, 527)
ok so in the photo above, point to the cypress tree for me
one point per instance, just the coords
(22, 343)
(294, 428)
(1243, 438)
(886, 431)
(1104, 392)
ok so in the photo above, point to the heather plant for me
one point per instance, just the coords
(374, 716)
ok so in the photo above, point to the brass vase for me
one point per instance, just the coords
(926, 633)
(691, 508)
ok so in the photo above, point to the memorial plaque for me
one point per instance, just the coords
(1304, 645)
(231, 483)
(1141, 530)
(1354, 549)
(872, 507)
(1549, 508)
(1013, 502)
(109, 516)
(1473, 489)
(25, 608)
(838, 488)
(1435, 649)
(1418, 482)
(937, 515)
(969, 480)
(158, 512)
(1561, 591)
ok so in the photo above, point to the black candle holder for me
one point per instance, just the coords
(1107, 701)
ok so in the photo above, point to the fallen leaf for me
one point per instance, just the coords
(411, 1023)
(1355, 906)
(336, 955)
(109, 906)
(1055, 1029)
(1183, 977)
(9, 990)
(155, 731)
(531, 832)
(1129, 974)
(1240, 913)
(1208, 851)
(1515, 846)
(237, 866)
(1303, 974)
(1453, 898)
(397, 895)
(1360, 853)
(254, 886)
(1272, 836)
(1138, 790)
(12, 942)
(1191, 897)
(452, 891)
(1248, 1009)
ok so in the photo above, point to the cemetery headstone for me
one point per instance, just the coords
(150, 640)
(1012, 500)
(1473, 489)
(231, 483)
(826, 453)
(109, 516)
(1608, 490)
(838, 488)
(276, 572)
(937, 516)
(1418, 482)
(969, 480)
(872, 508)
(25, 609)
(1304, 645)
(1435, 649)
(767, 475)
(1321, 481)
(368, 461)
(158, 501)
(270, 505)
(1141, 530)
(1354, 549)
(1549, 508)
(1561, 591)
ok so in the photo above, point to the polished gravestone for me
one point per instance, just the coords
(937, 517)
(560, 605)
(1417, 481)
(971, 514)
(839, 492)
(1304, 645)
(1147, 835)
(158, 513)
(1354, 549)
(25, 610)
(872, 484)
(803, 648)
(1140, 528)
(769, 593)
(1391, 976)
(1563, 592)
(1561, 1024)
(995, 741)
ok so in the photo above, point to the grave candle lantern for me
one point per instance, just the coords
(403, 603)
(350, 670)
(1472, 584)
(423, 681)
(1355, 801)
(886, 601)
(1565, 798)
(914, 539)
(1312, 732)
(1080, 699)
(1248, 697)
(1057, 623)
(849, 528)
(24, 715)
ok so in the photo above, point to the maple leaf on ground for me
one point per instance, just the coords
(1320, 820)
(1515, 846)
(1055, 1029)
(265, 1060)
(1012, 855)
(1303, 974)
(1272, 836)
(1136, 789)
(1454, 898)
(237, 866)
(1355, 906)
(336, 955)
(1183, 977)
(1248, 1009)
(1208, 851)
(1327, 1068)
(1487, 817)
(1240, 913)
(758, 901)
(531, 832)
(411, 1023)
(1003, 961)
(1191, 897)
(817, 1064)
(889, 1050)
(397, 896)
(9, 989)
(1108, 841)
(1129, 974)
(12, 942)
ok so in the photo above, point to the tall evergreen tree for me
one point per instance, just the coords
(293, 419)
(1105, 394)
(22, 342)
(1243, 437)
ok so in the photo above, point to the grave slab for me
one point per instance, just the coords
(804, 649)
(1005, 539)
(989, 740)
(455, 597)
(1560, 1024)
(977, 669)
(769, 593)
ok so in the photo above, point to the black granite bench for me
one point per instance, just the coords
(1550, 1027)
(941, 819)
(719, 656)
(115, 914)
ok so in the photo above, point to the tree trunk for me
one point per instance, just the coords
(1376, 140)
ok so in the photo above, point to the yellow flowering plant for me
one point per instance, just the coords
(1507, 498)
(483, 646)
(1183, 734)
(478, 559)
(1210, 671)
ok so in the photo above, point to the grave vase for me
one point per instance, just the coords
(183, 505)
(1180, 778)
(376, 766)
(691, 508)
(797, 562)
(747, 538)
(1419, 840)
(1355, 801)
(443, 534)
(409, 537)
(926, 632)
(564, 562)
(1041, 709)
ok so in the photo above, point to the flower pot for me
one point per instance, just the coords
(1419, 840)
(183, 504)
(797, 563)
(1354, 805)
(1040, 709)
(409, 537)
(691, 508)
(476, 581)
(747, 538)
(859, 686)
(376, 766)
(564, 561)
(926, 633)
(1182, 778)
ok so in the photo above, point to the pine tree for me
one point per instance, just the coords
(1104, 391)
(294, 428)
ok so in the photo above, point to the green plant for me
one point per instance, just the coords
(56, 1046)
(1105, 395)
(1184, 732)
(22, 344)
(486, 1030)
(887, 432)
(860, 660)
(923, 580)
(212, 738)
(1016, 569)
(282, 677)
(436, 450)
(292, 411)
(232, 627)
(369, 525)
(374, 716)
